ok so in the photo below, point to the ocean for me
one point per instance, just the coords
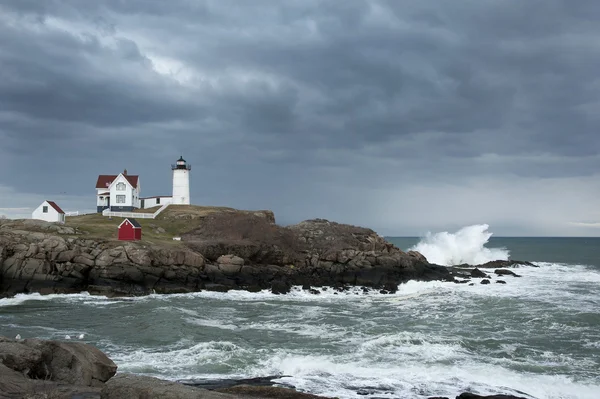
(537, 336)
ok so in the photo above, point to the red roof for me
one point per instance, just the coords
(105, 180)
(56, 207)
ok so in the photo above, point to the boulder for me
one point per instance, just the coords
(506, 272)
(19, 356)
(70, 362)
(495, 264)
(14, 384)
(32, 366)
(230, 260)
(140, 387)
(478, 273)
(417, 255)
(280, 287)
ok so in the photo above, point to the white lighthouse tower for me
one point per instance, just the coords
(181, 182)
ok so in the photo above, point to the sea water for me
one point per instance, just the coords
(537, 336)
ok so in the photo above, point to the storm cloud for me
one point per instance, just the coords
(404, 116)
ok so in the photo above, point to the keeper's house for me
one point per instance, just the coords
(120, 193)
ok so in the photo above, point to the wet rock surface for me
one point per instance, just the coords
(465, 273)
(505, 272)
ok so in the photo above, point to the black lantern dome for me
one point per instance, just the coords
(181, 164)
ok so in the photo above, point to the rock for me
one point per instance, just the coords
(500, 282)
(417, 255)
(229, 250)
(477, 273)
(225, 383)
(12, 383)
(230, 269)
(140, 387)
(266, 392)
(32, 366)
(18, 356)
(72, 363)
(390, 287)
(495, 264)
(505, 272)
(485, 281)
(280, 287)
(230, 260)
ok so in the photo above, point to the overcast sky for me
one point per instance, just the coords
(405, 116)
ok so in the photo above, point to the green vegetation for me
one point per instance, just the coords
(174, 221)
(148, 210)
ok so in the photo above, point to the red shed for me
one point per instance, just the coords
(130, 229)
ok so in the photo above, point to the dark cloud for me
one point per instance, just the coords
(312, 108)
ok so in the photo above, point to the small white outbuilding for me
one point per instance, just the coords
(50, 212)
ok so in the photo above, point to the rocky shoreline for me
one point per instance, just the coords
(228, 251)
(236, 250)
(41, 369)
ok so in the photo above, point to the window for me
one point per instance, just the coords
(158, 201)
(45, 209)
(120, 199)
(121, 186)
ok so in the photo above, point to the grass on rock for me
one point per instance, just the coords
(175, 220)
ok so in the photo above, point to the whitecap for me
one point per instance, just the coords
(467, 245)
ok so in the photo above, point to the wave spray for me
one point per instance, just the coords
(467, 245)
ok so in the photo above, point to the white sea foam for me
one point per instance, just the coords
(408, 365)
(467, 245)
(180, 362)
(22, 298)
(346, 376)
(321, 331)
(419, 347)
(211, 323)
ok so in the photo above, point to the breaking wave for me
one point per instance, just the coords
(467, 245)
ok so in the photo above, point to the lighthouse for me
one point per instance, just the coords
(181, 182)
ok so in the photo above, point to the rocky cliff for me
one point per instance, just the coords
(222, 251)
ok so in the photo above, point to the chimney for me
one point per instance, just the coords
(125, 172)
